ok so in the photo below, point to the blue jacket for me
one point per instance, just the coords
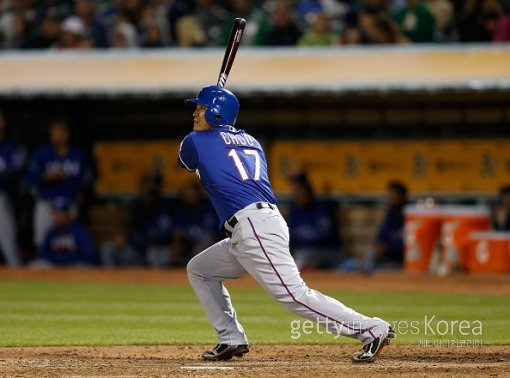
(70, 245)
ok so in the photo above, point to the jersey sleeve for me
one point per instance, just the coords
(188, 154)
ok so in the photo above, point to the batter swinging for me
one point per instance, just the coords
(232, 168)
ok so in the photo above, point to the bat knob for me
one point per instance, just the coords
(240, 21)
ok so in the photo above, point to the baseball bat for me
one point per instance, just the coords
(230, 53)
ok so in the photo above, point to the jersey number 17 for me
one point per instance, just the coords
(253, 154)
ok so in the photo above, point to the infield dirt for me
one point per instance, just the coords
(262, 361)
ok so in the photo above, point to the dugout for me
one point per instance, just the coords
(435, 117)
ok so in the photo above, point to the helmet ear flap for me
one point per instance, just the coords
(213, 117)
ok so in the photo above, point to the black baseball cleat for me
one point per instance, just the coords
(224, 352)
(371, 350)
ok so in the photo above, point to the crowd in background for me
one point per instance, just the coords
(85, 24)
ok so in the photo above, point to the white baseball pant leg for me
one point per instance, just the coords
(206, 273)
(43, 221)
(8, 232)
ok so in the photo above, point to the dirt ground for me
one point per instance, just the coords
(264, 360)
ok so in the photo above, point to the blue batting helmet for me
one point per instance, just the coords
(222, 105)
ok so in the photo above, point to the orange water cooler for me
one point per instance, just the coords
(458, 224)
(489, 252)
(421, 235)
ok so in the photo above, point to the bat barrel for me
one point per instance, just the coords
(230, 53)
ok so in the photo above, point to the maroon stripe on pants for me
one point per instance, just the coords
(360, 330)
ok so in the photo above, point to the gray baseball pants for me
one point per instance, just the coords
(260, 246)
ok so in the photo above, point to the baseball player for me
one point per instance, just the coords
(11, 161)
(231, 166)
(55, 170)
(68, 242)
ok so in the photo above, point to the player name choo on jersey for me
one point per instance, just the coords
(241, 139)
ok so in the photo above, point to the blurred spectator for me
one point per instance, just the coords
(283, 30)
(93, 27)
(195, 223)
(416, 22)
(17, 38)
(55, 9)
(189, 32)
(72, 34)
(369, 27)
(388, 250)
(308, 7)
(257, 23)
(211, 17)
(502, 29)
(46, 35)
(149, 238)
(154, 28)
(501, 221)
(11, 161)
(442, 10)
(479, 20)
(176, 10)
(152, 36)
(319, 33)
(124, 35)
(160, 10)
(359, 24)
(313, 228)
(383, 30)
(56, 170)
(8, 13)
(132, 10)
(68, 242)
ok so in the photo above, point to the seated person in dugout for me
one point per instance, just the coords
(195, 223)
(314, 234)
(501, 219)
(68, 242)
(388, 250)
(148, 240)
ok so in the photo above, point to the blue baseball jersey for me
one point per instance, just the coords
(11, 162)
(45, 160)
(70, 245)
(232, 167)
